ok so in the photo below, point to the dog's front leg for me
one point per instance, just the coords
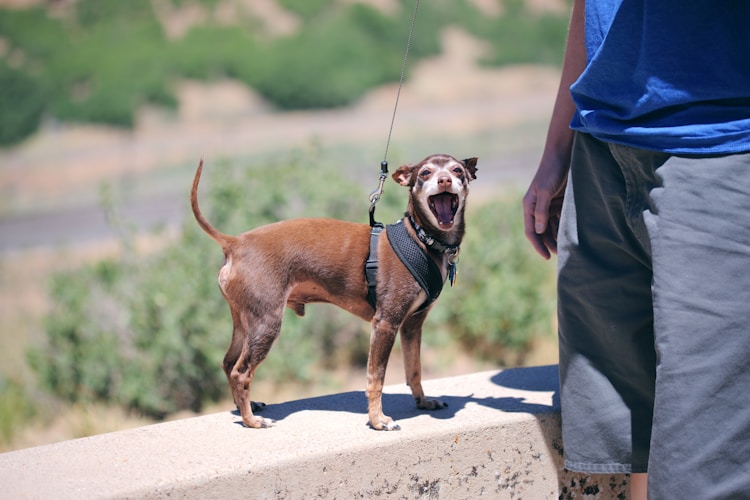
(381, 342)
(411, 340)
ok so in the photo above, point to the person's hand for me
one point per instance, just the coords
(542, 205)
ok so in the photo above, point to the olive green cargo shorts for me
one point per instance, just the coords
(654, 318)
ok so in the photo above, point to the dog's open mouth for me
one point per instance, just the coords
(444, 206)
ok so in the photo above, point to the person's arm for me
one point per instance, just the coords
(542, 203)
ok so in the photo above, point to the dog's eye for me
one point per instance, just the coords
(458, 171)
(425, 173)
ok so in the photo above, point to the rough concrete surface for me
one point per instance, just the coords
(498, 438)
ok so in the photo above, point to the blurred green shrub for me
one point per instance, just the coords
(306, 9)
(16, 408)
(22, 101)
(518, 36)
(149, 332)
(114, 63)
(210, 52)
(333, 62)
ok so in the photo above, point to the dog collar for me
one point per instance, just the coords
(431, 242)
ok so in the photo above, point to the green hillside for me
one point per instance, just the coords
(97, 61)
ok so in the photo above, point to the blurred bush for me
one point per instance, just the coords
(16, 408)
(149, 332)
(306, 9)
(105, 58)
(22, 101)
(333, 62)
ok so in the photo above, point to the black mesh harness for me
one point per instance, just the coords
(414, 257)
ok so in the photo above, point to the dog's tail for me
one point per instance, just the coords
(220, 238)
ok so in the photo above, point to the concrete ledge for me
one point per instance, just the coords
(498, 438)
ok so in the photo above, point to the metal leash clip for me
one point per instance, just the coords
(377, 193)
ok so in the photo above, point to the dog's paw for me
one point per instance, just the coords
(430, 404)
(257, 422)
(384, 424)
(393, 426)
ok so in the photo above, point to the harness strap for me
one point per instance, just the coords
(371, 266)
(416, 260)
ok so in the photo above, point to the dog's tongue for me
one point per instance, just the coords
(443, 204)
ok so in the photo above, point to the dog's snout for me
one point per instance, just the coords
(445, 181)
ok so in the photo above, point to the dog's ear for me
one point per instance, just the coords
(470, 164)
(402, 175)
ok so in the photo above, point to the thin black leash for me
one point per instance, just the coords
(375, 195)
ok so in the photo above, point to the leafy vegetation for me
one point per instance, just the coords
(149, 332)
(15, 407)
(22, 100)
(105, 58)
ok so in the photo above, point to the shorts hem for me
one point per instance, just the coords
(593, 468)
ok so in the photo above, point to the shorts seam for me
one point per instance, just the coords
(598, 468)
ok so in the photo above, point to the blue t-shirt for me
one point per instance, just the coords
(667, 75)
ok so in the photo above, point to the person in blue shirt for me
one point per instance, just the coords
(643, 191)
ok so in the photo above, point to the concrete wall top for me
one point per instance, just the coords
(499, 437)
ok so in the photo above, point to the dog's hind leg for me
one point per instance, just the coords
(411, 340)
(230, 360)
(233, 354)
(259, 336)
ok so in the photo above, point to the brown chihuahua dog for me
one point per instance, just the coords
(295, 262)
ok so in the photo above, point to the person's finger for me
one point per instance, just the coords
(536, 219)
(550, 239)
(538, 241)
(541, 212)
